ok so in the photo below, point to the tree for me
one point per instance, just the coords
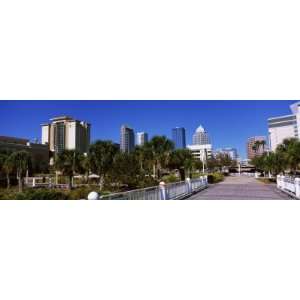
(224, 160)
(8, 168)
(144, 156)
(68, 162)
(212, 163)
(259, 145)
(85, 167)
(20, 161)
(101, 157)
(125, 170)
(182, 160)
(198, 165)
(289, 151)
(160, 148)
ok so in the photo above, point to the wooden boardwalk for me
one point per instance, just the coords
(240, 188)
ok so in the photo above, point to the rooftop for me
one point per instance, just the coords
(60, 118)
(200, 129)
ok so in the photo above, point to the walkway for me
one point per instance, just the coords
(240, 188)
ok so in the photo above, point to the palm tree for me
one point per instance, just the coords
(85, 167)
(263, 144)
(144, 156)
(68, 163)
(289, 151)
(160, 148)
(20, 161)
(101, 157)
(256, 146)
(182, 160)
(8, 168)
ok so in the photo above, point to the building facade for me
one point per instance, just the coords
(141, 138)
(253, 151)
(66, 133)
(201, 152)
(178, 137)
(201, 148)
(284, 127)
(201, 137)
(231, 152)
(126, 139)
(39, 153)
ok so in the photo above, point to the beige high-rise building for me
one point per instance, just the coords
(66, 133)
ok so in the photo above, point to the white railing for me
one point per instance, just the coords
(289, 184)
(171, 191)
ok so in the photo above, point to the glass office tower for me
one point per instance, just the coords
(178, 137)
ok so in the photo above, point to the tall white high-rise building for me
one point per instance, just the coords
(126, 139)
(202, 147)
(66, 133)
(201, 137)
(141, 138)
(284, 127)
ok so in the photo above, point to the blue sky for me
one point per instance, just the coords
(229, 123)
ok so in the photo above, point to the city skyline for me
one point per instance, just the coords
(229, 123)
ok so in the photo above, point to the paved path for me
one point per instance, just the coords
(240, 187)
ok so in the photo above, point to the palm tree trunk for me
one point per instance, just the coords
(154, 171)
(101, 181)
(182, 174)
(70, 182)
(8, 181)
(20, 182)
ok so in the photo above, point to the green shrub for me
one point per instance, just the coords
(215, 177)
(81, 193)
(41, 194)
(170, 178)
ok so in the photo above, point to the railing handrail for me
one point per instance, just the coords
(168, 187)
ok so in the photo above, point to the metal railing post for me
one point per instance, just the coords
(163, 191)
(297, 187)
(188, 185)
(278, 181)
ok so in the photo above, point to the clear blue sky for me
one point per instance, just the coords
(229, 123)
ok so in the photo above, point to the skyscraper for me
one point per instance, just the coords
(126, 139)
(252, 150)
(178, 137)
(284, 127)
(201, 137)
(141, 138)
(201, 148)
(66, 133)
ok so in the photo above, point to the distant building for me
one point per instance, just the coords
(141, 138)
(232, 152)
(251, 142)
(201, 137)
(201, 152)
(284, 127)
(39, 153)
(202, 147)
(126, 139)
(245, 162)
(66, 133)
(178, 137)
